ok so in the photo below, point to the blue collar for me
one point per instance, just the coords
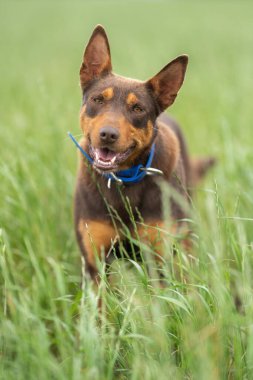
(129, 176)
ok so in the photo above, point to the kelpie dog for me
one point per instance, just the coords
(126, 138)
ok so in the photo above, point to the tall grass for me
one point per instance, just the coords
(199, 324)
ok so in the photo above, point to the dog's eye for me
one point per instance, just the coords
(98, 99)
(137, 108)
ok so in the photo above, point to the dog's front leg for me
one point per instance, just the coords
(156, 232)
(96, 237)
(152, 233)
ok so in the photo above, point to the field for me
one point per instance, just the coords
(199, 325)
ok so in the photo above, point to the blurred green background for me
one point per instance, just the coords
(41, 47)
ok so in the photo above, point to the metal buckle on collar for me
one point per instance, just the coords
(118, 180)
(152, 171)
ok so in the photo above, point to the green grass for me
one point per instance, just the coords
(191, 328)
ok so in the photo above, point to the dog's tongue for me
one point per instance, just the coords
(105, 154)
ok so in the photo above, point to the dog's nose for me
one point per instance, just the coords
(109, 134)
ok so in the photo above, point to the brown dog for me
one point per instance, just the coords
(124, 128)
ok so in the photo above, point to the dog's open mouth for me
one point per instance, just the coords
(106, 159)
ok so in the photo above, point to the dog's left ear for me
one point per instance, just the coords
(96, 58)
(168, 81)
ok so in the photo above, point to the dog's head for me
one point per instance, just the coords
(118, 114)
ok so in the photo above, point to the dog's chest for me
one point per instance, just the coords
(138, 201)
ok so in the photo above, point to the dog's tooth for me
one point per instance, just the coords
(113, 159)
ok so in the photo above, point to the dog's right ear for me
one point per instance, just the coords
(166, 84)
(96, 58)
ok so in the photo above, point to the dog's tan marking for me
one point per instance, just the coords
(155, 232)
(152, 234)
(142, 136)
(108, 93)
(96, 235)
(83, 110)
(131, 98)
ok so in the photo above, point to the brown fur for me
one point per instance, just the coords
(133, 110)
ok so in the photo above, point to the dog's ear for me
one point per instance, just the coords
(96, 58)
(166, 84)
